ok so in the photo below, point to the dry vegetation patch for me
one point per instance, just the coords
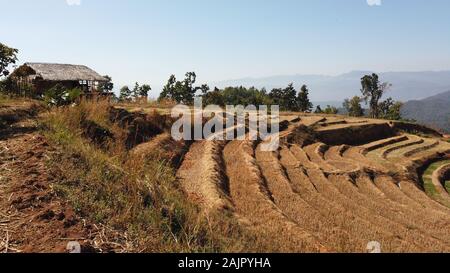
(119, 182)
(132, 191)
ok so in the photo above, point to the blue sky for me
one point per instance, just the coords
(147, 40)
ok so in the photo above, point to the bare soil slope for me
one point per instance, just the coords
(32, 218)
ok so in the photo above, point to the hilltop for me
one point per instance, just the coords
(433, 111)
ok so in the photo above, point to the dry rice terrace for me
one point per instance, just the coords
(334, 185)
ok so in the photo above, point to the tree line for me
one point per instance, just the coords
(184, 91)
(138, 91)
(288, 98)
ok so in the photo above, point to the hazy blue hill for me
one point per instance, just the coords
(433, 111)
(406, 85)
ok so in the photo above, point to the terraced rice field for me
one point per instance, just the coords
(436, 183)
(322, 197)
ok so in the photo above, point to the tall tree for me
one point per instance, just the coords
(144, 90)
(276, 95)
(395, 111)
(286, 98)
(318, 110)
(135, 91)
(182, 91)
(353, 107)
(106, 87)
(304, 104)
(125, 93)
(373, 91)
(8, 56)
(390, 109)
(168, 91)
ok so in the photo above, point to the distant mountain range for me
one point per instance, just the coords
(334, 89)
(433, 111)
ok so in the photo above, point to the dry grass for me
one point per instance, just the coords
(138, 196)
(162, 107)
(125, 173)
(419, 228)
(272, 229)
(408, 226)
(305, 212)
(202, 176)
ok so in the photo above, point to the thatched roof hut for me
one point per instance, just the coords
(64, 72)
(42, 76)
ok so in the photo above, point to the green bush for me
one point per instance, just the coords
(5, 86)
(2, 86)
(59, 95)
(74, 94)
(331, 110)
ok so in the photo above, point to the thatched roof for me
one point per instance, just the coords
(64, 72)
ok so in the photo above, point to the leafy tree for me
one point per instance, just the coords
(204, 88)
(144, 90)
(286, 98)
(276, 95)
(168, 91)
(318, 110)
(8, 56)
(331, 110)
(237, 96)
(384, 107)
(106, 87)
(4, 86)
(188, 87)
(260, 97)
(138, 91)
(135, 91)
(395, 112)
(390, 109)
(182, 91)
(125, 93)
(214, 97)
(304, 104)
(354, 107)
(372, 91)
(290, 98)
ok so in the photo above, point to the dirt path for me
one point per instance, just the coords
(32, 218)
